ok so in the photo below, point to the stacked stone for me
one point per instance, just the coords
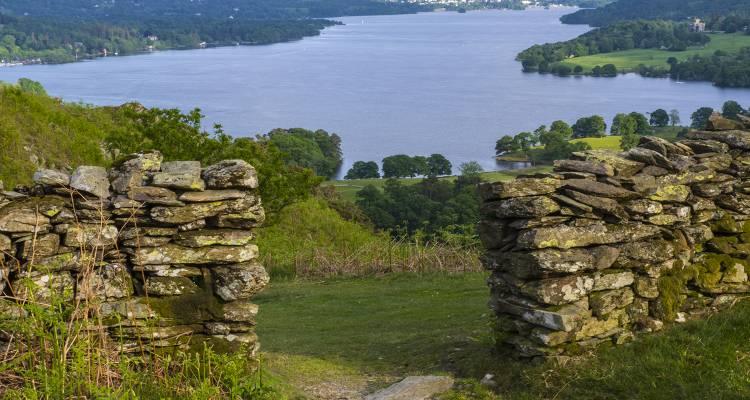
(163, 249)
(610, 244)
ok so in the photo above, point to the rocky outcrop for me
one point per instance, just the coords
(164, 260)
(611, 245)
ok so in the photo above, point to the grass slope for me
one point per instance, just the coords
(346, 336)
(309, 239)
(629, 60)
(39, 130)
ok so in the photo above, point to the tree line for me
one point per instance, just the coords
(677, 10)
(545, 144)
(49, 40)
(402, 166)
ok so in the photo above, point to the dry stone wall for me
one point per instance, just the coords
(164, 250)
(610, 245)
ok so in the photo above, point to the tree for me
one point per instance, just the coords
(470, 168)
(609, 71)
(674, 117)
(505, 144)
(363, 170)
(700, 117)
(524, 141)
(628, 130)
(659, 118)
(731, 109)
(642, 125)
(420, 166)
(438, 165)
(617, 122)
(29, 86)
(398, 166)
(593, 126)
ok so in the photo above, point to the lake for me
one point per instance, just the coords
(415, 84)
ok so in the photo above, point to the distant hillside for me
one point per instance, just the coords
(657, 9)
(224, 9)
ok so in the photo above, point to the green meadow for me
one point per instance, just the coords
(629, 60)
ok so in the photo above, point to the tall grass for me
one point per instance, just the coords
(309, 239)
(55, 345)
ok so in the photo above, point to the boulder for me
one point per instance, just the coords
(91, 235)
(414, 388)
(522, 207)
(208, 196)
(612, 279)
(564, 318)
(231, 174)
(602, 204)
(169, 286)
(650, 157)
(223, 237)
(5, 244)
(188, 213)
(717, 122)
(603, 303)
(175, 254)
(600, 189)
(51, 178)
(637, 254)
(239, 281)
(557, 291)
(734, 138)
(15, 218)
(665, 147)
(591, 167)
(565, 237)
(240, 311)
(180, 175)
(247, 219)
(539, 263)
(154, 196)
(705, 146)
(671, 193)
(113, 281)
(131, 171)
(572, 204)
(44, 287)
(42, 246)
(91, 180)
(622, 166)
(518, 188)
(644, 207)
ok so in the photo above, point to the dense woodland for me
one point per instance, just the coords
(54, 41)
(118, 10)
(721, 68)
(621, 36)
(64, 31)
(660, 9)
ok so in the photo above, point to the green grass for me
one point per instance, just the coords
(366, 333)
(309, 239)
(629, 60)
(58, 134)
(357, 335)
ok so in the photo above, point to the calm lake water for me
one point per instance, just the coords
(416, 84)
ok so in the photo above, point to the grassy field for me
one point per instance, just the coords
(629, 60)
(348, 188)
(333, 339)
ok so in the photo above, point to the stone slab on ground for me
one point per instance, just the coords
(414, 388)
